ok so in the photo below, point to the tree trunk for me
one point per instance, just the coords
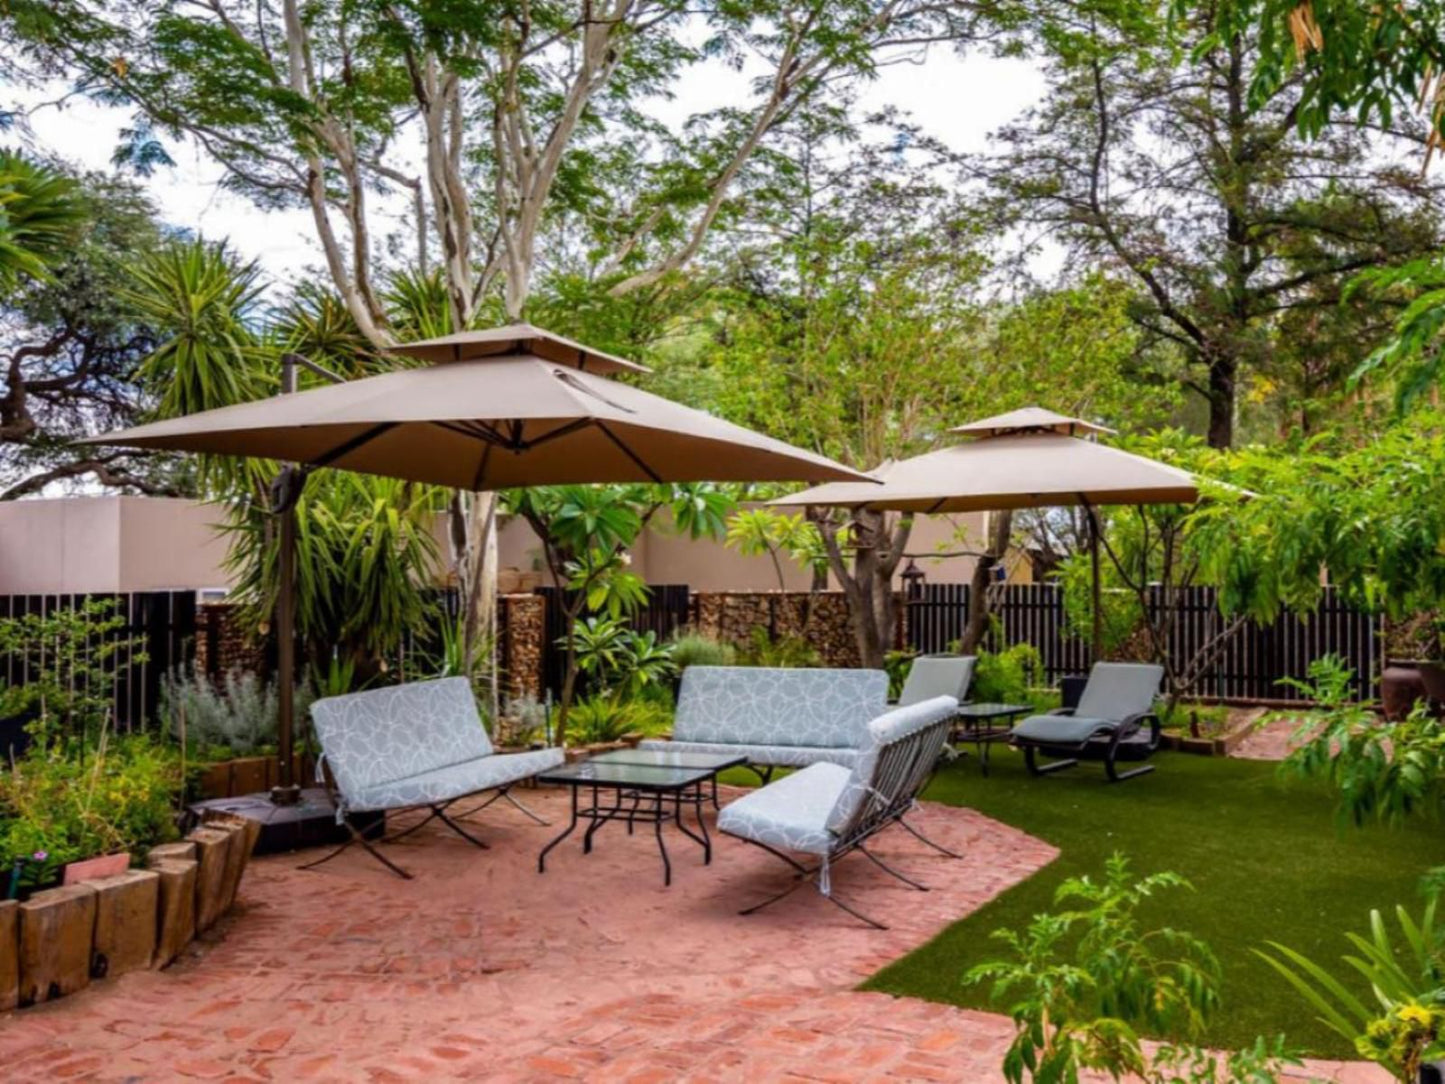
(868, 585)
(1000, 530)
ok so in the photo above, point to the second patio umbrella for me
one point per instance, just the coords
(511, 406)
(1029, 458)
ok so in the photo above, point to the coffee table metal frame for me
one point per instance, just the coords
(978, 726)
(646, 793)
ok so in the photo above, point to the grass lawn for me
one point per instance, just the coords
(1266, 856)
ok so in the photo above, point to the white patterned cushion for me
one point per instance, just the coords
(380, 735)
(756, 705)
(780, 756)
(455, 781)
(882, 732)
(791, 813)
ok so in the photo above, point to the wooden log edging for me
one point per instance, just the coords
(55, 942)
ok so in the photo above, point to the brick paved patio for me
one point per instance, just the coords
(482, 970)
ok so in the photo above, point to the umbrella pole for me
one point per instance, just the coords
(1095, 589)
(288, 489)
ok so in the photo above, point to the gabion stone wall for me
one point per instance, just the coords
(822, 619)
(525, 624)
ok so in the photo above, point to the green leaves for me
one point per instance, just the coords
(1407, 976)
(40, 212)
(1082, 980)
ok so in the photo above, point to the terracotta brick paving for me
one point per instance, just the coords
(480, 969)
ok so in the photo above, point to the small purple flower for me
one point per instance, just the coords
(40, 856)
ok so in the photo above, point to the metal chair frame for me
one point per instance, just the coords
(904, 768)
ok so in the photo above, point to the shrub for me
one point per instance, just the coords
(607, 719)
(787, 651)
(523, 720)
(1006, 676)
(121, 797)
(695, 649)
(1083, 981)
(897, 664)
(237, 719)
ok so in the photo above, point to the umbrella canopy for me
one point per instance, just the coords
(516, 339)
(492, 421)
(1024, 459)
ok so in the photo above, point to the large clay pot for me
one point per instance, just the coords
(1433, 675)
(1402, 684)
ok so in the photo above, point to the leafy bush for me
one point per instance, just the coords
(897, 664)
(606, 719)
(618, 660)
(1082, 981)
(1380, 769)
(787, 651)
(68, 657)
(120, 797)
(695, 649)
(236, 719)
(523, 720)
(1405, 1026)
(1006, 676)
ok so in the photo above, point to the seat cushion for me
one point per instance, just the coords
(758, 705)
(777, 756)
(1117, 690)
(791, 813)
(938, 675)
(1061, 729)
(372, 737)
(455, 780)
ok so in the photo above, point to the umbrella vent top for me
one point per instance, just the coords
(511, 340)
(1029, 419)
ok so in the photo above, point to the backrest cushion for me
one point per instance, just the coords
(758, 705)
(382, 735)
(1116, 690)
(937, 675)
(886, 730)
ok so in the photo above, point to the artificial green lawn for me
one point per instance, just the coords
(1266, 857)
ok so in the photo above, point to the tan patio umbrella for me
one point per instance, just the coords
(511, 406)
(1029, 458)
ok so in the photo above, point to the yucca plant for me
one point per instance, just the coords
(1400, 1025)
(204, 303)
(365, 558)
(40, 212)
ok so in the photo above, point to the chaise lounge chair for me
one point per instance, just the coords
(827, 811)
(412, 747)
(938, 675)
(1114, 721)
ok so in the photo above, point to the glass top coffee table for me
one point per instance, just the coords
(980, 724)
(640, 786)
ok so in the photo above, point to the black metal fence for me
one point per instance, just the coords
(163, 622)
(1249, 667)
(668, 609)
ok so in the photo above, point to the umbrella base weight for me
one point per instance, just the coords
(310, 821)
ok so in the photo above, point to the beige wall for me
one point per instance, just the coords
(78, 544)
(664, 557)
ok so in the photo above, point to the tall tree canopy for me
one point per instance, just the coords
(1190, 174)
(74, 342)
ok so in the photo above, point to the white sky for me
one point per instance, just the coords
(958, 100)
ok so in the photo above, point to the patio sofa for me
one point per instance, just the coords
(410, 747)
(825, 811)
(776, 717)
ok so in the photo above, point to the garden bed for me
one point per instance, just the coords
(58, 939)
